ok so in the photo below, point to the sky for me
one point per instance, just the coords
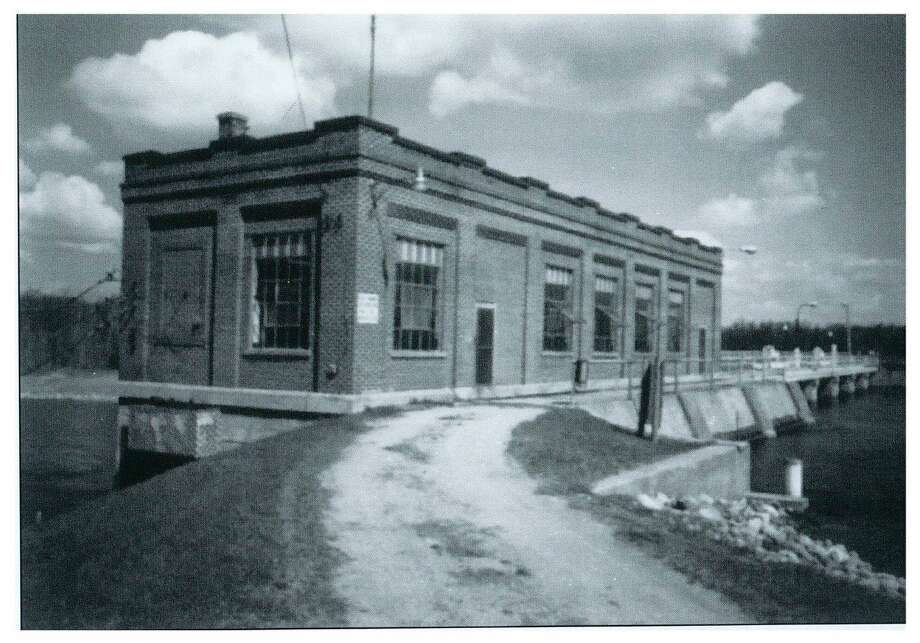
(783, 132)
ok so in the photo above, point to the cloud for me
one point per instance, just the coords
(604, 64)
(68, 212)
(109, 169)
(600, 64)
(58, 137)
(405, 45)
(27, 177)
(730, 210)
(183, 80)
(504, 80)
(758, 116)
(787, 187)
(706, 238)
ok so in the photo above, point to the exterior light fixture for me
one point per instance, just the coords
(748, 250)
(421, 183)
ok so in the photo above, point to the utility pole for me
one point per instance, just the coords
(370, 80)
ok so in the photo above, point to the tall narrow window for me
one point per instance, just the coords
(281, 290)
(645, 318)
(675, 321)
(557, 309)
(416, 323)
(606, 314)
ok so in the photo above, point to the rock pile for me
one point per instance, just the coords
(768, 532)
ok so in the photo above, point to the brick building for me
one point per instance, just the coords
(350, 260)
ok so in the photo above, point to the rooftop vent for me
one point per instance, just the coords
(230, 125)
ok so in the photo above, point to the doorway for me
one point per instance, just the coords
(702, 351)
(485, 343)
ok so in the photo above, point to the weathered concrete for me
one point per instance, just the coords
(722, 471)
(848, 385)
(195, 432)
(762, 415)
(810, 389)
(830, 389)
(802, 408)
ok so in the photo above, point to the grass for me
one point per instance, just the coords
(549, 450)
(569, 450)
(211, 544)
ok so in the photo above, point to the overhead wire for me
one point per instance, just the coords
(287, 41)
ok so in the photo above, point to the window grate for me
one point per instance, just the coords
(416, 318)
(282, 293)
(644, 318)
(606, 314)
(558, 306)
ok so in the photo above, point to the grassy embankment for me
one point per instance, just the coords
(570, 450)
(231, 541)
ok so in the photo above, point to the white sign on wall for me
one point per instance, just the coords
(368, 308)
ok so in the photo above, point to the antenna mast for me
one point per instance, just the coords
(370, 81)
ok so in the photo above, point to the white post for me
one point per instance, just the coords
(794, 477)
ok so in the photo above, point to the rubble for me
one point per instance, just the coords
(768, 532)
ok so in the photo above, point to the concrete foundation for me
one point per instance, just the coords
(722, 471)
(810, 389)
(848, 385)
(830, 389)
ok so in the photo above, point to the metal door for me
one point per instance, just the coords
(181, 302)
(485, 341)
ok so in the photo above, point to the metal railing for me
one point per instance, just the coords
(731, 368)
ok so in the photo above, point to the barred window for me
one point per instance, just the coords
(557, 309)
(606, 314)
(416, 322)
(675, 321)
(282, 292)
(645, 318)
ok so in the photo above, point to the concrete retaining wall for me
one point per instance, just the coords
(722, 471)
(704, 414)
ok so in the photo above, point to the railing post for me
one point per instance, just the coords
(628, 364)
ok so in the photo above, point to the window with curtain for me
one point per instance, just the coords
(676, 312)
(416, 317)
(558, 307)
(282, 293)
(606, 314)
(644, 318)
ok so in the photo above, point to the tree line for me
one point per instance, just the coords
(886, 340)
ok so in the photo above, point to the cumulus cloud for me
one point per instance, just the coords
(758, 116)
(597, 64)
(706, 238)
(68, 212)
(109, 169)
(790, 188)
(183, 80)
(504, 80)
(58, 137)
(602, 64)
(26, 175)
(730, 210)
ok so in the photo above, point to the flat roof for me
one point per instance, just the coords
(251, 145)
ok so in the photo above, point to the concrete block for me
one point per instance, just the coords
(721, 471)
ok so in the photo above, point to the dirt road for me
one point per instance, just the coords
(440, 528)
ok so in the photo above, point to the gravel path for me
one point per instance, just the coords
(439, 527)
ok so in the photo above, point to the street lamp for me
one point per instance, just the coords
(846, 310)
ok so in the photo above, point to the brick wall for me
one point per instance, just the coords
(498, 235)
